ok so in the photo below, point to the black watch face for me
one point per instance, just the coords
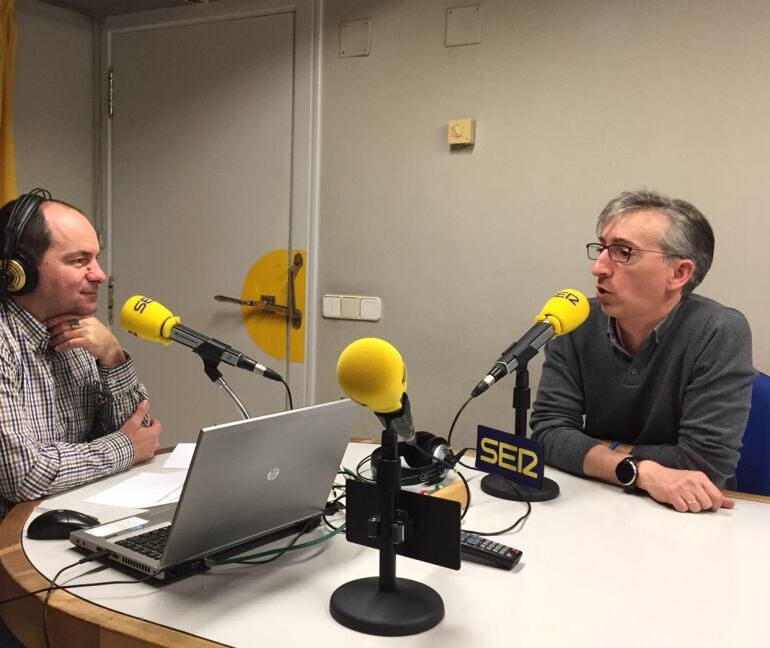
(626, 471)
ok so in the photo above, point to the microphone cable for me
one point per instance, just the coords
(521, 519)
(332, 507)
(288, 391)
(457, 458)
(451, 465)
(359, 467)
(454, 421)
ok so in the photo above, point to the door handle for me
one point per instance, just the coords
(266, 303)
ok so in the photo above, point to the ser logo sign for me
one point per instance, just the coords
(508, 455)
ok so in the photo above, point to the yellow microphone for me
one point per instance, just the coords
(562, 313)
(565, 311)
(150, 320)
(372, 372)
(147, 319)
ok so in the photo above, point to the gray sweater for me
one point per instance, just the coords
(682, 401)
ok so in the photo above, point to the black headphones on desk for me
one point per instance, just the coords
(18, 274)
(420, 469)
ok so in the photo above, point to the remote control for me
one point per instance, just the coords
(475, 547)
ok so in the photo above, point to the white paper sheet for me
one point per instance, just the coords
(143, 490)
(181, 456)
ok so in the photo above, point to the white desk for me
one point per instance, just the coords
(600, 568)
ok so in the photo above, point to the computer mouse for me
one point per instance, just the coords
(56, 525)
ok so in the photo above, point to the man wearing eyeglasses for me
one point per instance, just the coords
(653, 390)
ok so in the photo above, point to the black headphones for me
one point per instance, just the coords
(18, 275)
(419, 471)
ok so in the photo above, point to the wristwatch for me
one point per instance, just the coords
(627, 471)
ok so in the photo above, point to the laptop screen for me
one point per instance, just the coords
(252, 477)
(247, 479)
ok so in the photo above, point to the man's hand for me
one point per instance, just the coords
(685, 490)
(72, 331)
(144, 439)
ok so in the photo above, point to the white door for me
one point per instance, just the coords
(200, 173)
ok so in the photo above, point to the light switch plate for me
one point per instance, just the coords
(332, 306)
(352, 307)
(370, 308)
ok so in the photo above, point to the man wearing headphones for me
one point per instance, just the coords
(71, 407)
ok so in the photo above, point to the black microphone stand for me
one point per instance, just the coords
(387, 605)
(503, 488)
(210, 352)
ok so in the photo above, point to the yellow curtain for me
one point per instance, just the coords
(7, 60)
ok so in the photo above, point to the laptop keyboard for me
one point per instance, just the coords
(150, 544)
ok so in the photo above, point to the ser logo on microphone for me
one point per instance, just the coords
(571, 297)
(511, 456)
(142, 304)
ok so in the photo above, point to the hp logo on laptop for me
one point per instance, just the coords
(273, 474)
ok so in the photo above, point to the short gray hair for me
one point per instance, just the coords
(688, 235)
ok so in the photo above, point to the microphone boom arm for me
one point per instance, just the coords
(516, 355)
(210, 348)
(226, 388)
(210, 351)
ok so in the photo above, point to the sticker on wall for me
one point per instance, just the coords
(272, 295)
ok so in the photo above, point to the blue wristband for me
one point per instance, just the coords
(613, 445)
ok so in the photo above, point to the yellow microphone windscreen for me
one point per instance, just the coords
(565, 311)
(372, 373)
(148, 319)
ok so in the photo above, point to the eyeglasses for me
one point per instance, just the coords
(618, 253)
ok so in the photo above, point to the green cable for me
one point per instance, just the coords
(280, 550)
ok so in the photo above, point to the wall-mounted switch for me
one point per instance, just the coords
(352, 307)
(370, 308)
(332, 306)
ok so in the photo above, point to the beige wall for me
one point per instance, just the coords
(53, 103)
(575, 100)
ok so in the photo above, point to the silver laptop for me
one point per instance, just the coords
(248, 481)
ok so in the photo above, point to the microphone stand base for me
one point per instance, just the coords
(498, 486)
(410, 609)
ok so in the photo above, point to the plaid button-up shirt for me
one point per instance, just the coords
(59, 413)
